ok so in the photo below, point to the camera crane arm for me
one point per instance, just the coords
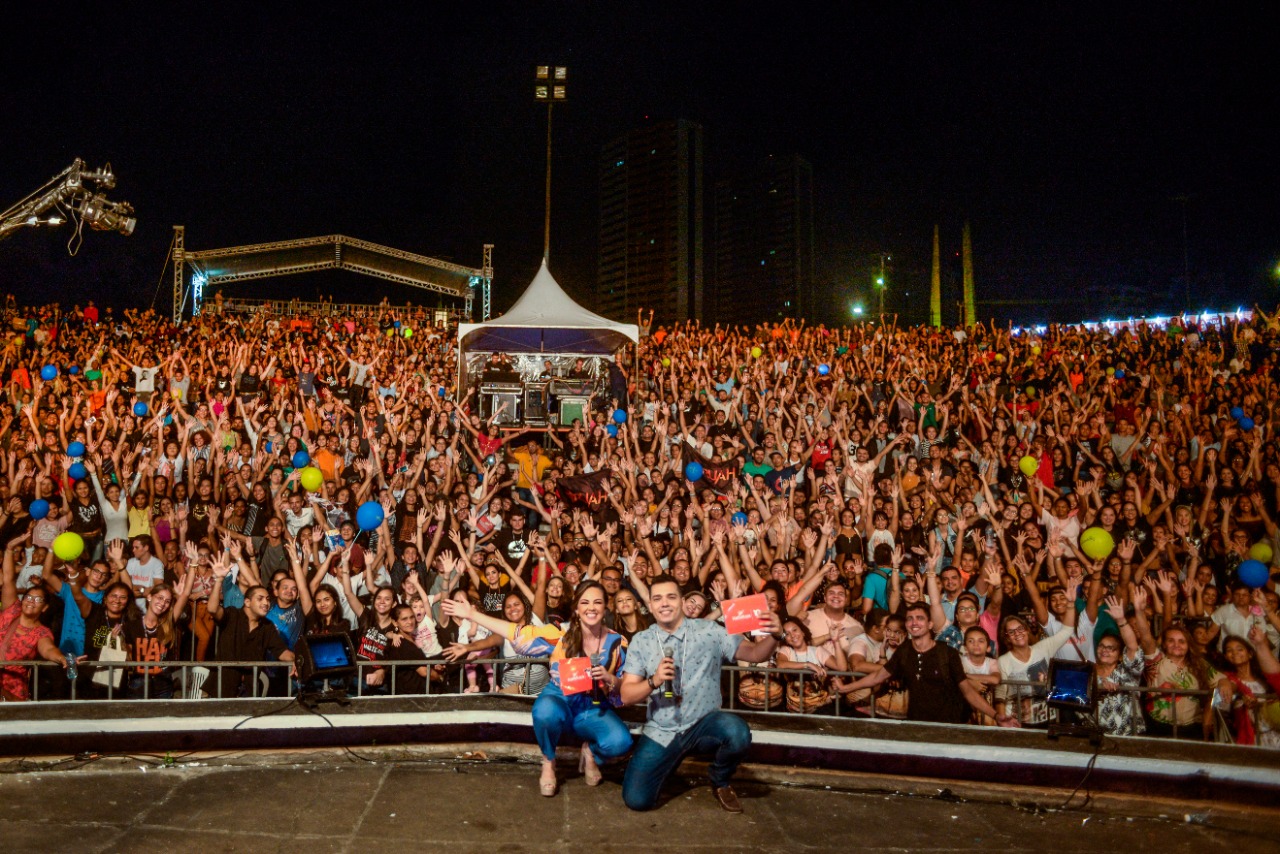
(69, 196)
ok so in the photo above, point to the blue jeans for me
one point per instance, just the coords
(554, 714)
(723, 736)
(159, 687)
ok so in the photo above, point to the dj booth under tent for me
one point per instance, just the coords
(544, 326)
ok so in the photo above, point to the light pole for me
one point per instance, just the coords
(881, 285)
(550, 88)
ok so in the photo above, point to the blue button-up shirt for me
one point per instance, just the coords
(699, 648)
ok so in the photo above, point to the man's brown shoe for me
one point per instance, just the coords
(727, 798)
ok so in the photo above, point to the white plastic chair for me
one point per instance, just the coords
(196, 677)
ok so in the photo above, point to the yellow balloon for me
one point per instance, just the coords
(1029, 465)
(1096, 543)
(311, 478)
(1261, 552)
(756, 352)
(68, 546)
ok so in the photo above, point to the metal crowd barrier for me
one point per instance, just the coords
(202, 679)
(192, 680)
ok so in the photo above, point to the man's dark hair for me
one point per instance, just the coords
(663, 578)
(916, 606)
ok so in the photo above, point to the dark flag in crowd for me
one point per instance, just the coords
(585, 490)
(721, 475)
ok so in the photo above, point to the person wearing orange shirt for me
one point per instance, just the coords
(531, 465)
(328, 458)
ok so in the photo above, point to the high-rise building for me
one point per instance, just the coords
(651, 253)
(764, 265)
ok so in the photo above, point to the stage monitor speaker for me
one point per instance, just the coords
(535, 404)
(573, 408)
(325, 656)
(491, 401)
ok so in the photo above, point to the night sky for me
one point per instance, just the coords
(1062, 135)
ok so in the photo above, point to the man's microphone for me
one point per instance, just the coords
(668, 688)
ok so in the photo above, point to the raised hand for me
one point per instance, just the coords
(1115, 608)
(459, 609)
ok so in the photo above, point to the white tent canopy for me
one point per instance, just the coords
(546, 320)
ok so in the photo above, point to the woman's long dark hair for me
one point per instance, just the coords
(369, 618)
(571, 642)
(317, 622)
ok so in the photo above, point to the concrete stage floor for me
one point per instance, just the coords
(442, 798)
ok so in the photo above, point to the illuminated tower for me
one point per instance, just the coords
(935, 291)
(970, 313)
(651, 252)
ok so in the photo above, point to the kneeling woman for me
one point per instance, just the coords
(589, 716)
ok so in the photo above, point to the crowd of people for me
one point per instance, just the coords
(877, 494)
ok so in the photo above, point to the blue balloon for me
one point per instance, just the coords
(739, 518)
(140, 409)
(1246, 423)
(442, 391)
(369, 516)
(77, 471)
(38, 509)
(612, 430)
(1237, 412)
(693, 471)
(824, 369)
(75, 449)
(49, 372)
(397, 324)
(73, 370)
(300, 459)
(1253, 573)
(620, 416)
(1119, 374)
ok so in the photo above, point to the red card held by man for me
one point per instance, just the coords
(744, 614)
(575, 675)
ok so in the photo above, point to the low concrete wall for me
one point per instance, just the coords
(986, 755)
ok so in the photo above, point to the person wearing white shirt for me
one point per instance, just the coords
(144, 569)
(1235, 618)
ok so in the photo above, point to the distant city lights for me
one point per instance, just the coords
(1204, 318)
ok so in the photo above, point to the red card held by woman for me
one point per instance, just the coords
(575, 675)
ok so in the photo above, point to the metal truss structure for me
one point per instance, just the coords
(333, 251)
